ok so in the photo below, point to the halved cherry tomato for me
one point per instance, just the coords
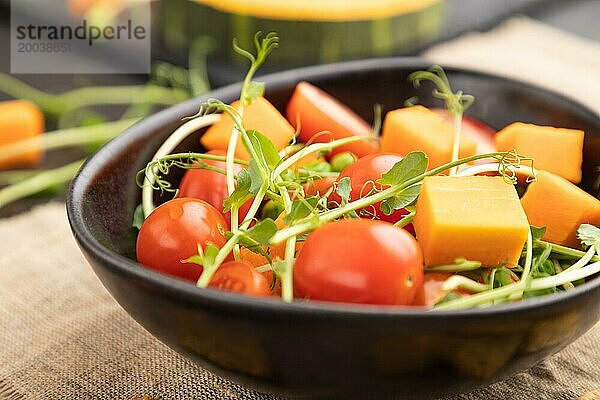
(480, 132)
(172, 233)
(315, 111)
(359, 261)
(363, 174)
(211, 186)
(239, 277)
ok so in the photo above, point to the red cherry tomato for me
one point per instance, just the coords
(431, 291)
(172, 233)
(211, 186)
(359, 261)
(480, 132)
(363, 173)
(319, 186)
(315, 111)
(239, 277)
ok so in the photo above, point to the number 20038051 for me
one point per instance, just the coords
(44, 48)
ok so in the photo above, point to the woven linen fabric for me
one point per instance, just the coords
(63, 337)
(528, 50)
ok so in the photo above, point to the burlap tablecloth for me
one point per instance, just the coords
(63, 337)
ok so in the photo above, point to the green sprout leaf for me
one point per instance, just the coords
(411, 166)
(138, 217)
(537, 233)
(280, 268)
(589, 236)
(301, 208)
(253, 246)
(314, 169)
(265, 149)
(401, 200)
(241, 194)
(449, 297)
(255, 238)
(254, 90)
(263, 231)
(272, 209)
(205, 257)
(344, 188)
(256, 177)
(341, 161)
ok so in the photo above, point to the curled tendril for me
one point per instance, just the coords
(156, 171)
(509, 164)
(264, 46)
(456, 103)
(213, 106)
(369, 212)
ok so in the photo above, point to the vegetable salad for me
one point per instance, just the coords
(438, 211)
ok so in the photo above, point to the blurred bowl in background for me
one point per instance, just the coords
(314, 31)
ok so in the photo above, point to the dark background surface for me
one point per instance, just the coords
(577, 16)
(580, 17)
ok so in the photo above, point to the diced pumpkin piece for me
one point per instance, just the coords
(418, 128)
(20, 120)
(561, 207)
(261, 116)
(478, 218)
(558, 150)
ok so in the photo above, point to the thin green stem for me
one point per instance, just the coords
(165, 149)
(463, 266)
(287, 289)
(194, 156)
(567, 251)
(582, 262)
(209, 270)
(14, 176)
(492, 295)
(567, 276)
(38, 183)
(558, 268)
(456, 140)
(459, 281)
(287, 281)
(56, 104)
(20, 90)
(406, 220)
(117, 95)
(308, 223)
(314, 148)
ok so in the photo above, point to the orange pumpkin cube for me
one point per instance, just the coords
(418, 128)
(478, 218)
(21, 120)
(261, 116)
(561, 207)
(557, 150)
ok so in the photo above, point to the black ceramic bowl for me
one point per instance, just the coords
(332, 350)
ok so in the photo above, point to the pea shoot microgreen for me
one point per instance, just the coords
(456, 102)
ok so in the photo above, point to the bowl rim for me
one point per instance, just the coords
(190, 293)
